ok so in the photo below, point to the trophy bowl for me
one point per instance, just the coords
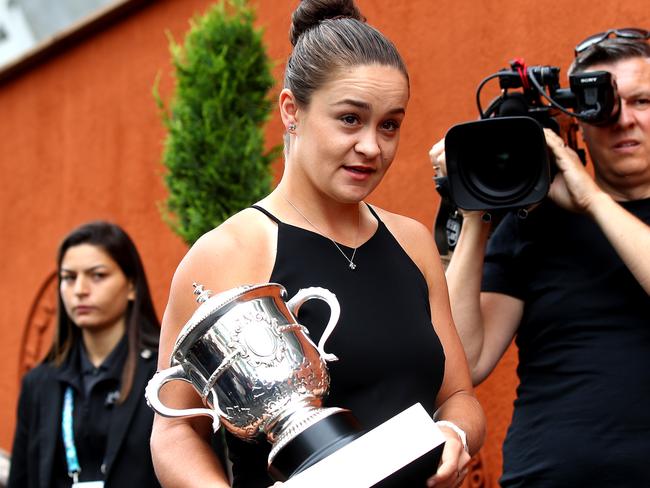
(258, 373)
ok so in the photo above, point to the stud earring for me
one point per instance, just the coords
(291, 128)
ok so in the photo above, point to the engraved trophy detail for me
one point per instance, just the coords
(259, 374)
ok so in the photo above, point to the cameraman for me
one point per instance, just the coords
(571, 283)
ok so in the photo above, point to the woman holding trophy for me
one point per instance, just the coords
(345, 95)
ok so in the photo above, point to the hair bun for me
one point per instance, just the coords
(310, 12)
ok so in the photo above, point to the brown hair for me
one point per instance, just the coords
(610, 51)
(330, 34)
(142, 326)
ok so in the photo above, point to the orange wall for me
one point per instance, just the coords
(80, 137)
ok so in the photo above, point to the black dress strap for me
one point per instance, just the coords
(267, 213)
(372, 211)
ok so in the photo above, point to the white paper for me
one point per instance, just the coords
(375, 455)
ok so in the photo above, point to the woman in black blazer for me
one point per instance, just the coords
(82, 417)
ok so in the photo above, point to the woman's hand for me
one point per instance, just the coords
(454, 462)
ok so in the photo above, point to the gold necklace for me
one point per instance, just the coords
(350, 260)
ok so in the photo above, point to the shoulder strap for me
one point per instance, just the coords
(267, 213)
(372, 211)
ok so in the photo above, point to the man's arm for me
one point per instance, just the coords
(574, 189)
(629, 236)
(486, 322)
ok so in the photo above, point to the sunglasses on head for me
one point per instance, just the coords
(627, 33)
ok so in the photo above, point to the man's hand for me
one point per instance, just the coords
(573, 188)
(437, 157)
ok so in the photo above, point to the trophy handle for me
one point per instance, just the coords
(152, 392)
(328, 297)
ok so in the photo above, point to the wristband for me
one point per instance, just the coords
(459, 432)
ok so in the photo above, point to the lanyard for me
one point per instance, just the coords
(68, 435)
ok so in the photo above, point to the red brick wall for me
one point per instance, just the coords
(80, 138)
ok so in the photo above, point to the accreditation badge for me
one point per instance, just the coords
(88, 484)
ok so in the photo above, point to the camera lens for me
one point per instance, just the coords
(500, 174)
(497, 163)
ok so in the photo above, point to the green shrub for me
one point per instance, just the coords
(214, 151)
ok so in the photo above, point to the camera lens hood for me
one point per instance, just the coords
(497, 163)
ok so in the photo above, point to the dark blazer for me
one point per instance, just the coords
(128, 457)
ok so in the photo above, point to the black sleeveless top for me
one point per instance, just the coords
(389, 354)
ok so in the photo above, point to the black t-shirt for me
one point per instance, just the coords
(582, 412)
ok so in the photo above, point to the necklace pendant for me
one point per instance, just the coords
(352, 265)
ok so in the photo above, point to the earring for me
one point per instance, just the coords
(291, 128)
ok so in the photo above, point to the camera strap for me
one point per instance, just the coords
(447, 226)
(449, 220)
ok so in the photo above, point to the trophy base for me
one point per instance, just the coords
(315, 444)
(384, 457)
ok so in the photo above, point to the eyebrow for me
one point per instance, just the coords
(366, 106)
(92, 268)
(640, 92)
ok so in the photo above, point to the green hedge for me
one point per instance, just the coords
(214, 151)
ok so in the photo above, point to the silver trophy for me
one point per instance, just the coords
(258, 373)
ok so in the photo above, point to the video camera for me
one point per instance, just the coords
(501, 161)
